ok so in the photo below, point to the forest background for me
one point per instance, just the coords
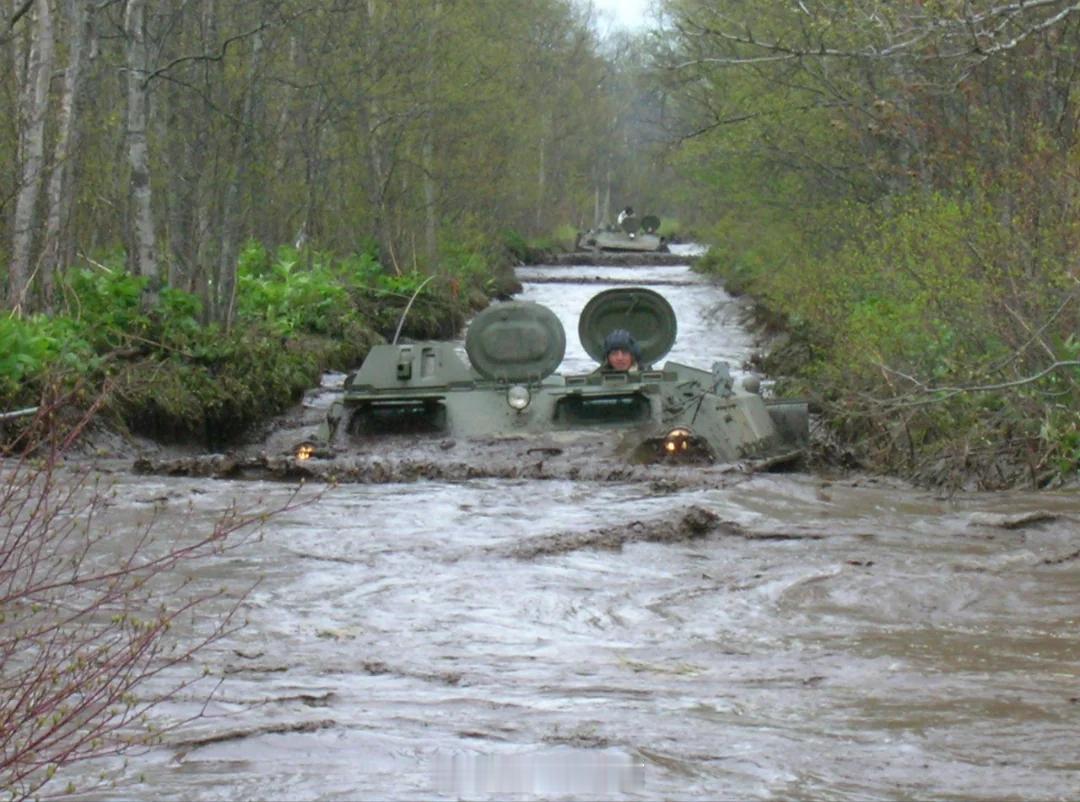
(202, 198)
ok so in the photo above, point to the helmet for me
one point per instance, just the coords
(621, 339)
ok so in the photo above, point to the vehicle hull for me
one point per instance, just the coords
(435, 392)
(622, 241)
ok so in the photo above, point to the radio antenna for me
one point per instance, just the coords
(408, 306)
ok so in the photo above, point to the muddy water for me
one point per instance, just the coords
(774, 637)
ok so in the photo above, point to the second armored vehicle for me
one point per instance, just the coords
(630, 234)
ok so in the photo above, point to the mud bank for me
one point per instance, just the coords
(458, 463)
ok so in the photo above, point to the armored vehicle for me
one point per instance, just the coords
(630, 234)
(509, 388)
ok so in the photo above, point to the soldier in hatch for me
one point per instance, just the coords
(621, 353)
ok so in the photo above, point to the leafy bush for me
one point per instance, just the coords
(32, 348)
(107, 305)
(923, 329)
(301, 292)
(174, 376)
(25, 350)
(671, 229)
(515, 245)
(564, 237)
(289, 296)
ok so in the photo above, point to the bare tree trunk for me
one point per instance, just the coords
(607, 195)
(230, 214)
(428, 147)
(59, 194)
(179, 206)
(142, 257)
(430, 219)
(312, 145)
(378, 178)
(541, 181)
(34, 105)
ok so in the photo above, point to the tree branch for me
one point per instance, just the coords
(944, 393)
(205, 56)
(972, 28)
(19, 13)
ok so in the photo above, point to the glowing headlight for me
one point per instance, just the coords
(677, 441)
(518, 397)
(305, 452)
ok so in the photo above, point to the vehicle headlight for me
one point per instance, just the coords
(518, 397)
(677, 441)
(305, 451)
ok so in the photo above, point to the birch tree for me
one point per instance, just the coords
(56, 246)
(142, 252)
(427, 164)
(33, 107)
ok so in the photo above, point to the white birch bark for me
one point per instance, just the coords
(34, 106)
(143, 258)
(59, 194)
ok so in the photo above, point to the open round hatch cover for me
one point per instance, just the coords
(516, 341)
(645, 314)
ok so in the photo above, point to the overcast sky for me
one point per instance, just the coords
(621, 13)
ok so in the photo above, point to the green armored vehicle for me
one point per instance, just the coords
(630, 234)
(509, 388)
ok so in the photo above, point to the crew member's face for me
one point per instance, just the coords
(620, 359)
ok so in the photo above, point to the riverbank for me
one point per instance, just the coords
(935, 426)
(165, 375)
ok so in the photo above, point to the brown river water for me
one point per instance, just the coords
(840, 639)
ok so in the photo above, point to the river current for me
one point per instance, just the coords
(838, 638)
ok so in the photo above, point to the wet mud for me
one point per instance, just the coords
(552, 624)
(696, 522)
(451, 461)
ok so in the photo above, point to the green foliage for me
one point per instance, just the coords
(515, 245)
(173, 376)
(295, 292)
(911, 293)
(531, 250)
(924, 292)
(671, 228)
(32, 349)
(178, 318)
(1060, 432)
(564, 237)
(467, 253)
(241, 379)
(26, 348)
(909, 222)
(106, 302)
